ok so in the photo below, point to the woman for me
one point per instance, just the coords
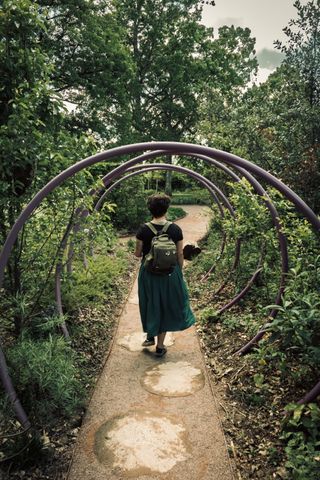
(163, 299)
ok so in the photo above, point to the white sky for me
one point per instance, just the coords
(265, 18)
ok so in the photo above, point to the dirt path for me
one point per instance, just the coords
(153, 418)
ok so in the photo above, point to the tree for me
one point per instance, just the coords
(34, 143)
(91, 63)
(175, 59)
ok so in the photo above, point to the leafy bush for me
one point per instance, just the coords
(45, 377)
(286, 362)
(174, 213)
(90, 286)
(192, 197)
(131, 209)
(302, 436)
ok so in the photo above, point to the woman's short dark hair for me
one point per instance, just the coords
(158, 204)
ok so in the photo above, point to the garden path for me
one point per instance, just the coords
(152, 418)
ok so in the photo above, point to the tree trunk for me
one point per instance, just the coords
(168, 187)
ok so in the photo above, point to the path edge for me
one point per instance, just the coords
(103, 365)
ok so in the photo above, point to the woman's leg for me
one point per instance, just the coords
(160, 339)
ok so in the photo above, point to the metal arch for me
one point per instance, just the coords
(180, 148)
(251, 281)
(300, 204)
(275, 219)
(165, 166)
(179, 168)
(94, 192)
(211, 187)
(274, 214)
(235, 177)
(170, 147)
(238, 243)
(154, 154)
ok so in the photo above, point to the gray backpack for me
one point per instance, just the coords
(162, 257)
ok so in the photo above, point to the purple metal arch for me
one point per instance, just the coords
(164, 166)
(281, 239)
(154, 154)
(83, 213)
(10, 391)
(219, 165)
(260, 191)
(210, 186)
(251, 281)
(237, 254)
(235, 177)
(169, 147)
(275, 219)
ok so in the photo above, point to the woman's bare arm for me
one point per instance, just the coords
(138, 250)
(179, 246)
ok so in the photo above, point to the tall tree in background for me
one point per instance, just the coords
(91, 63)
(175, 59)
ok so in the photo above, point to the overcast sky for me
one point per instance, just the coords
(266, 19)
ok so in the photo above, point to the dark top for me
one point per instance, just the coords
(146, 235)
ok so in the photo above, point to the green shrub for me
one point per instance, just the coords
(45, 377)
(174, 213)
(191, 197)
(131, 209)
(302, 436)
(90, 286)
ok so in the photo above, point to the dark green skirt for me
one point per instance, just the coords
(163, 302)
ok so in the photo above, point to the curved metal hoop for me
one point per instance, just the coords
(83, 213)
(275, 219)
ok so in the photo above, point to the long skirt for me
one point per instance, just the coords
(163, 302)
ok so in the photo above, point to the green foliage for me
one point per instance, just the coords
(131, 209)
(251, 226)
(174, 213)
(276, 124)
(208, 315)
(45, 377)
(191, 197)
(175, 57)
(297, 326)
(287, 360)
(131, 245)
(302, 436)
(91, 286)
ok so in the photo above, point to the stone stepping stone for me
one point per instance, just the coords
(173, 379)
(133, 341)
(142, 443)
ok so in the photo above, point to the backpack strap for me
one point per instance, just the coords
(165, 227)
(155, 231)
(152, 228)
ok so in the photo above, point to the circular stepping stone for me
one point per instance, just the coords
(173, 379)
(133, 341)
(142, 443)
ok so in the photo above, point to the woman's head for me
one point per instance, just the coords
(158, 204)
